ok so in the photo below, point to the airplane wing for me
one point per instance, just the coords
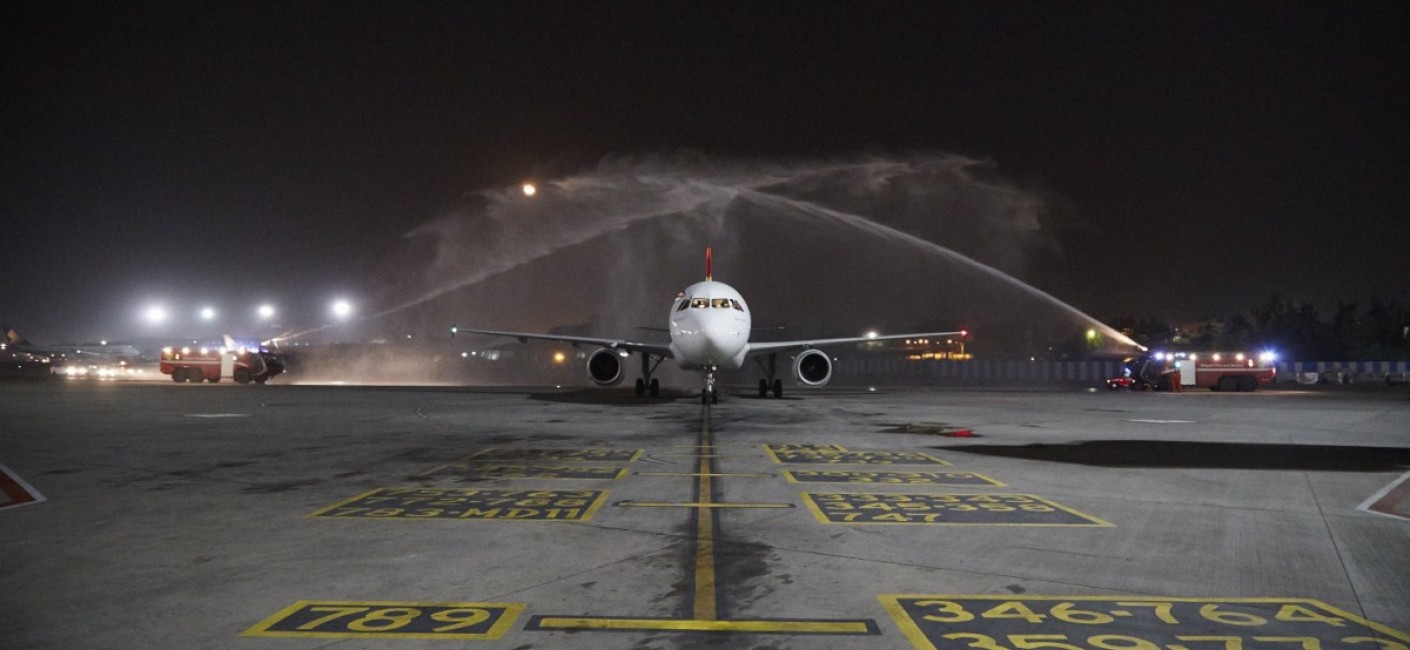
(654, 349)
(774, 346)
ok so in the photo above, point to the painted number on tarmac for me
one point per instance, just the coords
(556, 455)
(891, 478)
(823, 457)
(1133, 623)
(804, 447)
(338, 619)
(467, 503)
(528, 471)
(946, 509)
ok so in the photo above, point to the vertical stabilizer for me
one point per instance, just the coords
(709, 274)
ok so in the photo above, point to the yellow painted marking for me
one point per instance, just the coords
(508, 612)
(699, 474)
(704, 604)
(918, 638)
(877, 478)
(710, 446)
(701, 504)
(705, 625)
(823, 518)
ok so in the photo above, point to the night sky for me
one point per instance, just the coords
(1203, 155)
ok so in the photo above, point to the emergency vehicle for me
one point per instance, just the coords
(187, 364)
(1217, 371)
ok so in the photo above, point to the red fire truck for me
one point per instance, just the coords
(187, 364)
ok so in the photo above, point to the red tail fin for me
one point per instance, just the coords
(709, 275)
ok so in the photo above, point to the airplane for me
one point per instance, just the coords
(709, 329)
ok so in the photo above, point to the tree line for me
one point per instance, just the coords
(1376, 331)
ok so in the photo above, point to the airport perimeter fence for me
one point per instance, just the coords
(855, 370)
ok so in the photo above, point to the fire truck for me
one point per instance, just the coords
(1217, 371)
(187, 364)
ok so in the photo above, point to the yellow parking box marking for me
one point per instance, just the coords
(507, 472)
(944, 510)
(676, 504)
(555, 455)
(828, 457)
(780, 626)
(962, 479)
(469, 503)
(958, 622)
(723, 474)
(804, 447)
(389, 619)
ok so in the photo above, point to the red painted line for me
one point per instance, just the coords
(1394, 502)
(17, 492)
(1391, 502)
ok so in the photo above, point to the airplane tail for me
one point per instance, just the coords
(709, 275)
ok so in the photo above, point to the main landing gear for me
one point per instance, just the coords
(772, 382)
(646, 383)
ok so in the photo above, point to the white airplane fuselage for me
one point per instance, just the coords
(709, 327)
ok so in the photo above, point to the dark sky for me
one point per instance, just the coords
(1215, 152)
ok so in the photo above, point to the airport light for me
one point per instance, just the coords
(342, 308)
(207, 313)
(155, 314)
(266, 312)
(529, 189)
(871, 334)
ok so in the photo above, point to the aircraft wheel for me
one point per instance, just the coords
(655, 387)
(704, 396)
(714, 397)
(778, 388)
(763, 388)
(640, 387)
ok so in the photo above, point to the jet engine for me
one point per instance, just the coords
(813, 368)
(605, 367)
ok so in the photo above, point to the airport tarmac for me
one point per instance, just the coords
(298, 517)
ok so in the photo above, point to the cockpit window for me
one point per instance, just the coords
(722, 303)
(684, 304)
(738, 305)
(699, 303)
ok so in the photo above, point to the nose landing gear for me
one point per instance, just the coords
(709, 395)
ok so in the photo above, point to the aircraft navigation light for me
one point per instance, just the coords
(530, 189)
(871, 334)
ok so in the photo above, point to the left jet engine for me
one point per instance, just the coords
(605, 367)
